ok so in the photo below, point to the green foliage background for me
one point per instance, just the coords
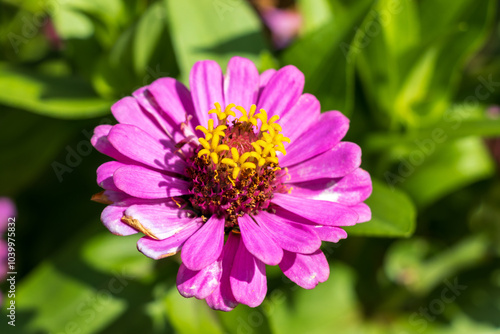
(415, 77)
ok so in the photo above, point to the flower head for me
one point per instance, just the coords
(240, 172)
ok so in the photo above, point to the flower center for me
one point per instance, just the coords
(235, 169)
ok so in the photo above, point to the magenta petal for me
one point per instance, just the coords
(111, 218)
(160, 220)
(105, 174)
(128, 111)
(158, 249)
(330, 128)
(306, 270)
(289, 235)
(300, 118)
(136, 144)
(112, 215)
(349, 190)
(337, 162)
(248, 278)
(100, 141)
(205, 246)
(364, 212)
(222, 298)
(258, 242)
(319, 212)
(264, 79)
(282, 91)
(173, 98)
(141, 182)
(199, 284)
(206, 83)
(241, 83)
(330, 233)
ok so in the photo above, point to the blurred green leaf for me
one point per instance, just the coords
(393, 214)
(60, 97)
(70, 23)
(51, 301)
(331, 304)
(315, 13)
(213, 29)
(449, 167)
(110, 253)
(28, 136)
(189, 315)
(408, 262)
(329, 74)
(147, 36)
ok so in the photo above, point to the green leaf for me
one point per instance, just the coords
(28, 136)
(408, 263)
(60, 97)
(213, 29)
(61, 303)
(110, 253)
(393, 214)
(330, 75)
(315, 13)
(451, 166)
(331, 304)
(190, 315)
(147, 36)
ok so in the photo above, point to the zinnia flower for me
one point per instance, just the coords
(240, 171)
(7, 210)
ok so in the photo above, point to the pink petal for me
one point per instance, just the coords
(264, 79)
(306, 270)
(173, 98)
(349, 190)
(248, 278)
(160, 220)
(105, 174)
(100, 141)
(136, 144)
(287, 234)
(364, 212)
(330, 233)
(282, 91)
(206, 83)
(222, 298)
(205, 246)
(141, 182)
(319, 212)
(128, 111)
(258, 242)
(112, 215)
(158, 249)
(199, 284)
(300, 118)
(321, 137)
(337, 162)
(241, 83)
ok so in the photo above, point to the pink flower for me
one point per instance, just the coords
(7, 210)
(240, 196)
